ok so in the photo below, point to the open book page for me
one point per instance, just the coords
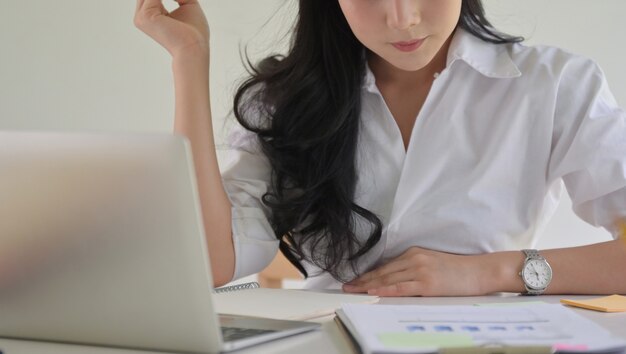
(284, 304)
(425, 329)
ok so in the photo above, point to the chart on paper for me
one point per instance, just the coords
(484, 324)
(421, 329)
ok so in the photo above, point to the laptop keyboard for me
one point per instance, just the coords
(234, 333)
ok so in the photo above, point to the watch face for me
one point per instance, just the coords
(537, 274)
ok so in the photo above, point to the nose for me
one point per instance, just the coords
(403, 14)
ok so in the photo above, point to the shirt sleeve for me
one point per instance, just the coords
(589, 145)
(246, 174)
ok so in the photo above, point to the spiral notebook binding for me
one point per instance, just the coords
(226, 289)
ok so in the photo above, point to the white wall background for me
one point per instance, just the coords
(81, 65)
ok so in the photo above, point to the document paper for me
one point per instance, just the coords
(425, 329)
(284, 304)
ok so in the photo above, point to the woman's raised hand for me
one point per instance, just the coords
(184, 30)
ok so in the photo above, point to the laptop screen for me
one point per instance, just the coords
(101, 241)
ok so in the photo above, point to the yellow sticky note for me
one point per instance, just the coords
(613, 303)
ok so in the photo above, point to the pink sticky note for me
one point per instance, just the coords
(569, 347)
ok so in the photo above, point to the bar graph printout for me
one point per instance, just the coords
(424, 329)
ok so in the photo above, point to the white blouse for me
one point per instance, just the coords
(501, 129)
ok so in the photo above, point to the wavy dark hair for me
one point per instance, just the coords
(305, 108)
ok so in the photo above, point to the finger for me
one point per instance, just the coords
(146, 4)
(384, 280)
(396, 265)
(352, 289)
(407, 288)
(139, 5)
(185, 2)
(149, 13)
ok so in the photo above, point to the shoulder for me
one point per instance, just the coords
(552, 63)
(516, 60)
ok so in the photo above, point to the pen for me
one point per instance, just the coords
(621, 226)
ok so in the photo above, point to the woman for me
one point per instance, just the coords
(404, 147)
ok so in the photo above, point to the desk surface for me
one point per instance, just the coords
(329, 339)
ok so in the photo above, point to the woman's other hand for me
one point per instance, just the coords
(422, 272)
(183, 30)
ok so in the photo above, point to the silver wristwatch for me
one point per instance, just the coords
(536, 273)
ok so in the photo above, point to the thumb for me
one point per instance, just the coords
(185, 2)
(143, 5)
(149, 11)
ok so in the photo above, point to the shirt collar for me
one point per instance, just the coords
(369, 82)
(489, 59)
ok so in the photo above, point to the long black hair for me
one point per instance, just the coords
(305, 108)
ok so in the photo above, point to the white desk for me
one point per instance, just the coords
(329, 339)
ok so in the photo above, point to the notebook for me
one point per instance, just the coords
(295, 304)
(101, 242)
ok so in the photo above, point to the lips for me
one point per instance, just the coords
(408, 46)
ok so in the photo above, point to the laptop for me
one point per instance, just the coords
(101, 242)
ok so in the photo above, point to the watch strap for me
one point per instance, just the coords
(532, 254)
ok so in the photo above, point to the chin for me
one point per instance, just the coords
(409, 67)
(409, 64)
(404, 62)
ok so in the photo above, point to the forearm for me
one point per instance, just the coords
(193, 120)
(592, 269)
